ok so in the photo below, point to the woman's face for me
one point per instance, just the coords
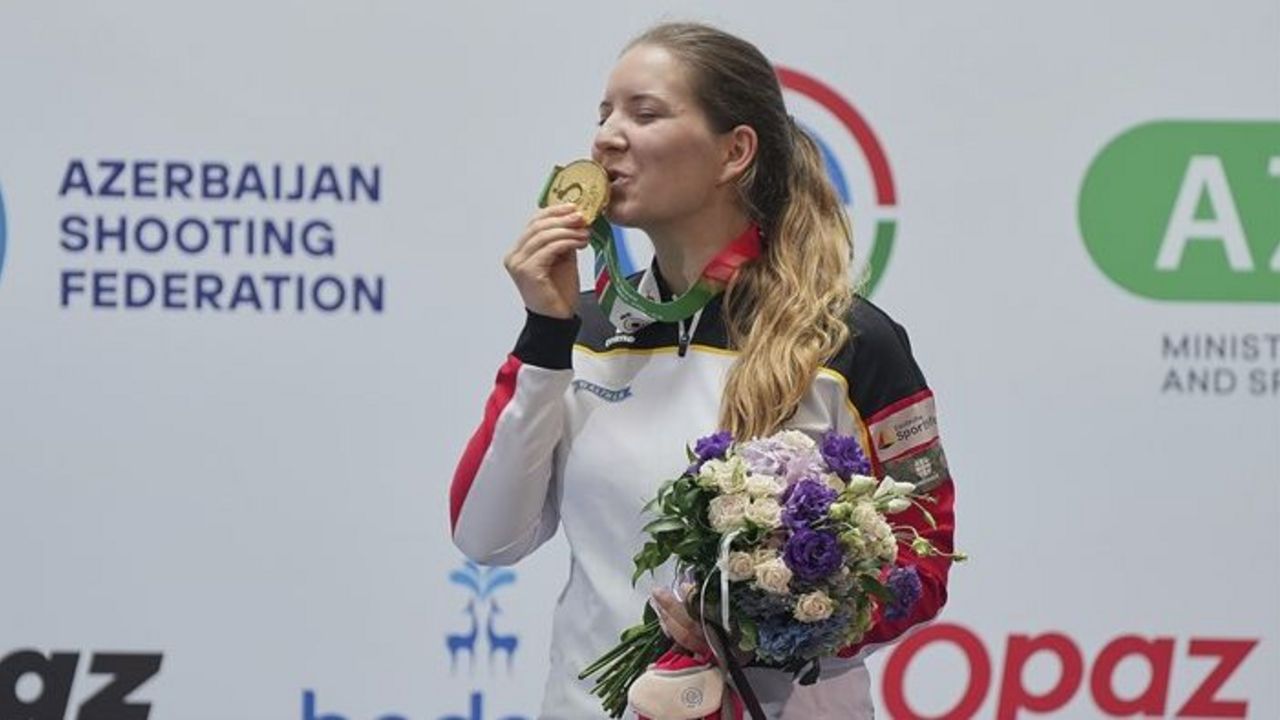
(664, 161)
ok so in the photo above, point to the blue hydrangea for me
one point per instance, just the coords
(758, 604)
(783, 640)
(904, 583)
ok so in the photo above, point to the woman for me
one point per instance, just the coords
(587, 419)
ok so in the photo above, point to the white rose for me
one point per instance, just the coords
(763, 555)
(795, 440)
(765, 512)
(814, 606)
(865, 517)
(708, 474)
(740, 566)
(860, 485)
(882, 541)
(763, 486)
(731, 476)
(856, 543)
(892, 488)
(887, 547)
(833, 481)
(886, 488)
(843, 581)
(727, 512)
(773, 576)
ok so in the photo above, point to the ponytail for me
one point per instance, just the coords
(786, 311)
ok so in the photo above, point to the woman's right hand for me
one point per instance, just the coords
(677, 623)
(544, 261)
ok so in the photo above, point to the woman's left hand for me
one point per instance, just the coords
(678, 624)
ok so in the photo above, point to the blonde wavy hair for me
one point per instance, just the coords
(785, 312)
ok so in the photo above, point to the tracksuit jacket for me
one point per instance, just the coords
(585, 422)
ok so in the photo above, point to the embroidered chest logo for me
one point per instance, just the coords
(619, 338)
(603, 393)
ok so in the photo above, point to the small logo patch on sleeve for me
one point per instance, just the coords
(904, 427)
(905, 439)
(926, 468)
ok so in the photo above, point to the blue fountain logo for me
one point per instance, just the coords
(482, 610)
(477, 696)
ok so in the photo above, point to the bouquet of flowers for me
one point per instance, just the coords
(791, 548)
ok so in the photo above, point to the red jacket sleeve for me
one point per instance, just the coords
(902, 440)
(502, 499)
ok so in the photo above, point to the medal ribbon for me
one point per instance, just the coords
(629, 308)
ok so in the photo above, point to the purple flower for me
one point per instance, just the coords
(713, 446)
(771, 456)
(803, 467)
(805, 502)
(764, 456)
(844, 455)
(813, 555)
(904, 583)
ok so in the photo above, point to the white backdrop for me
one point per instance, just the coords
(259, 496)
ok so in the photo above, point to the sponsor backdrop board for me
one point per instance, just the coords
(251, 302)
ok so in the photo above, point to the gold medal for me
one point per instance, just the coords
(583, 183)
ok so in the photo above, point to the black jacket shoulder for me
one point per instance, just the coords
(595, 326)
(876, 361)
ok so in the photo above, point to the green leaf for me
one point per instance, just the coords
(874, 587)
(689, 546)
(753, 536)
(750, 639)
(928, 516)
(619, 668)
(651, 562)
(664, 524)
(664, 491)
(633, 632)
(690, 495)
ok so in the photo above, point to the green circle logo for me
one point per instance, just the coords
(1180, 210)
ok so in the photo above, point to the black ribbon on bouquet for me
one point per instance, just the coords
(739, 678)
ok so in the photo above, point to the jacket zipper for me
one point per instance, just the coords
(686, 333)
